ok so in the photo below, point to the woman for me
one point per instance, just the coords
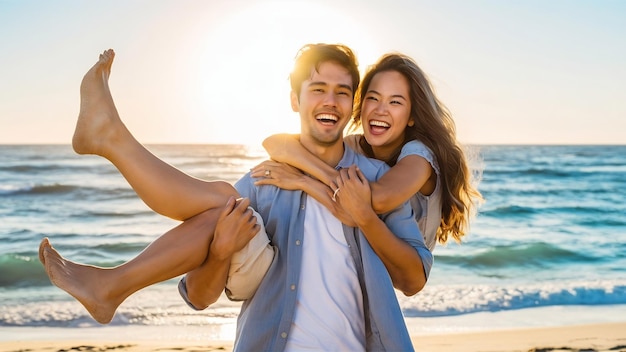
(405, 125)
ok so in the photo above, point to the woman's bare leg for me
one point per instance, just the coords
(102, 290)
(100, 131)
(178, 251)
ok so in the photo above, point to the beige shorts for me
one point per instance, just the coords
(247, 268)
(249, 265)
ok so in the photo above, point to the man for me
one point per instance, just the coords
(330, 287)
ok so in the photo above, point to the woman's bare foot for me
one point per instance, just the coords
(83, 282)
(98, 121)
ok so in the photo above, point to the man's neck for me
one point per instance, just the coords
(330, 154)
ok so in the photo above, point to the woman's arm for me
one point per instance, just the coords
(288, 177)
(286, 148)
(410, 175)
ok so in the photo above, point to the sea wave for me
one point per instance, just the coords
(161, 304)
(158, 305)
(59, 167)
(19, 270)
(25, 270)
(538, 254)
(61, 189)
(39, 189)
(439, 300)
(512, 210)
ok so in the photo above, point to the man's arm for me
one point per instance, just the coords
(402, 261)
(235, 228)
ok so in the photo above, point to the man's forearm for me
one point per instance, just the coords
(401, 260)
(206, 283)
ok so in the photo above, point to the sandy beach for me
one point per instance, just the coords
(588, 338)
(597, 337)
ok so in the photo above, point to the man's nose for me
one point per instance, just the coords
(330, 99)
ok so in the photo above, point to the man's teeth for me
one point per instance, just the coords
(379, 124)
(327, 117)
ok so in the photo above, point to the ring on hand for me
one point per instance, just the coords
(334, 198)
(267, 173)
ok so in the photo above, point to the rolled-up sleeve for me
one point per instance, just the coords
(401, 222)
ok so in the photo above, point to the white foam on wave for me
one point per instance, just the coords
(447, 300)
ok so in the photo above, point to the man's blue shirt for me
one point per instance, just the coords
(265, 319)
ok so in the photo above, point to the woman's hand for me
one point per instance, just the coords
(353, 194)
(278, 174)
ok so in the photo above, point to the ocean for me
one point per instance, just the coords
(548, 246)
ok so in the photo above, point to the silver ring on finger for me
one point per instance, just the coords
(334, 197)
(268, 173)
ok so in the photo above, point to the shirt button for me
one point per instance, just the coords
(302, 206)
(283, 335)
(292, 287)
(297, 242)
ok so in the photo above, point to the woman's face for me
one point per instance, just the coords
(385, 112)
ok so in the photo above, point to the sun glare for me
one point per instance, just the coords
(242, 85)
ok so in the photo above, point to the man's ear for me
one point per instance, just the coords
(295, 103)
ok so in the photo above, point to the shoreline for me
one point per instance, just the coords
(541, 329)
(590, 337)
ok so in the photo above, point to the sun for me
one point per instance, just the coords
(242, 87)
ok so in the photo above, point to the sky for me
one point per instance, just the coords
(215, 71)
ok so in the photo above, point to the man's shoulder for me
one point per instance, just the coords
(245, 177)
(360, 158)
(244, 180)
(371, 168)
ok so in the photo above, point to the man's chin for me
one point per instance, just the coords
(327, 140)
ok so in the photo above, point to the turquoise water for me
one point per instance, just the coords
(552, 232)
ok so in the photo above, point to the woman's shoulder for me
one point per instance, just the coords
(353, 141)
(417, 147)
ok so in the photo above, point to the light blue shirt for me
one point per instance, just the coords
(427, 209)
(265, 319)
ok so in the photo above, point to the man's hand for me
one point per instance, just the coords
(236, 226)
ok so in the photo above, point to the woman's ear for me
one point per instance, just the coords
(411, 123)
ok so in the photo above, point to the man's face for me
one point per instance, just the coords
(325, 104)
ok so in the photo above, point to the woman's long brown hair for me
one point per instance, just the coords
(435, 128)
